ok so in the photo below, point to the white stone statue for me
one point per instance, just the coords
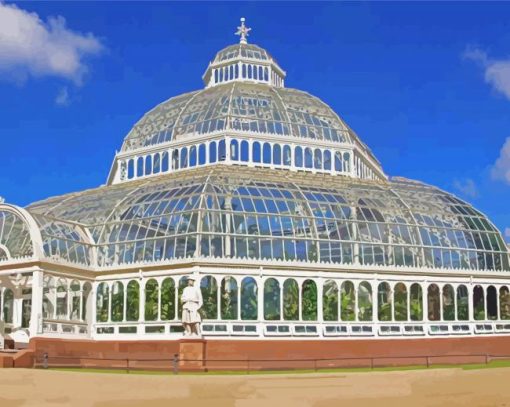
(191, 303)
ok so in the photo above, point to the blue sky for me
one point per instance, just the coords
(425, 85)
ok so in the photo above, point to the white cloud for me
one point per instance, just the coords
(32, 47)
(466, 187)
(501, 168)
(496, 71)
(62, 98)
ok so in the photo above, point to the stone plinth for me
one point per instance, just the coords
(192, 354)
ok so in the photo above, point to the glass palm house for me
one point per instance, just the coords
(275, 205)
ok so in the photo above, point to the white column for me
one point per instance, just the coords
(260, 299)
(320, 286)
(37, 300)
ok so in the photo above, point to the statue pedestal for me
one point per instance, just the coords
(192, 354)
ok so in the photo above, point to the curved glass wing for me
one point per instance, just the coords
(257, 215)
(15, 240)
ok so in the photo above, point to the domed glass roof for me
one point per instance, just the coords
(240, 107)
(245, 51)
(258, 214)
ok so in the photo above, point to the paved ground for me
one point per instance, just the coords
(435, 387)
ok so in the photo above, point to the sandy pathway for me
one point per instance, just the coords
(438, 387)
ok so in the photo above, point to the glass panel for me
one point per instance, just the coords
(290, 300)
(330, 304)
(365, 301)
(347, 299)
(400, 302)
(309, 300)
(209, 288)
(272, 300)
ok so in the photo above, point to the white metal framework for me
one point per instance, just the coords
(278, 206)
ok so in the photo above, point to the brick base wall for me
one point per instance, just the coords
(279, 354)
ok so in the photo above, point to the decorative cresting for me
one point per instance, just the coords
(258, 215)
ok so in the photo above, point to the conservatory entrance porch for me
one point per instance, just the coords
(18, 315)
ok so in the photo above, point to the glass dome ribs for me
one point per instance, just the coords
(255, 214)
(244, 98)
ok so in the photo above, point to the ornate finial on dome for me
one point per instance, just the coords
(243, 31)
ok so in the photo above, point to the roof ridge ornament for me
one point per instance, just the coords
(243, 31)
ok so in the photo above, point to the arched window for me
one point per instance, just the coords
(347, 301)
(193, 156)
(201, 154)
(167, 307)
(117, 309)
(416, 302)
(287, 155)
(347, 158)
(133, 301)
(327, 160)
(298, 157)
(434, 303)
(209, 288)
(131, 169)
(338, 162)
(102, 302)
(234, 149)
(164, 162)
(229, 295)
(222, 151)
(87, 289)
(290, 300)
(400, 302)
(151, 300)
(48, 305)
(216, 76)
(462, 303)
(62, 299)
(504, 303)
(365, 301)
(266, 74)
(317, 159)
(75, 300)
(175, 160)
(478, 303)
(272, 300)
(244, 71)
(249, 299)
(157, 163)
(250, 72)
(330, 301)
(308, 158)
(492, 303)
(184, 157)
(139, 167)
(266, 153)
(309, 300)
(183, 283)
(256, 154)
(8, 311)
(384, 302)
(448, 303)
(236, 70)
(148, 165)
(245, 151)
(213, 152)
(277, 154)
